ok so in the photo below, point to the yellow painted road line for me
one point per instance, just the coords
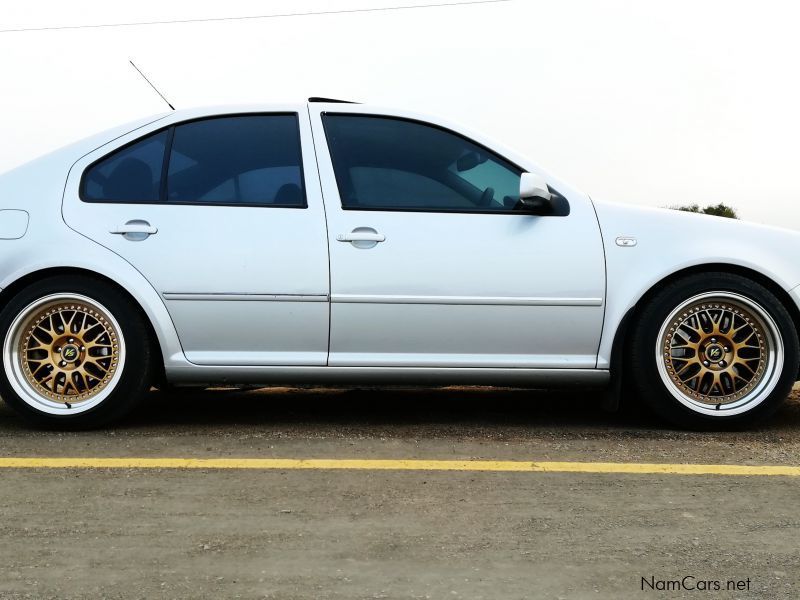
(396, 465)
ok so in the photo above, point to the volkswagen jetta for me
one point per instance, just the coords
(336, 242)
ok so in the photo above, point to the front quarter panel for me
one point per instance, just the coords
(668, 241)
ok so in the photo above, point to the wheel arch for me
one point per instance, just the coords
(621, 335)
(7, 293)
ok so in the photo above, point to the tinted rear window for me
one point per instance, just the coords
(242, 159)
(132, 174)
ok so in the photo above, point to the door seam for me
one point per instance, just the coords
(327, 233)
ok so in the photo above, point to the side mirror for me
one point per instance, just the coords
(532, 185)
(534, 195)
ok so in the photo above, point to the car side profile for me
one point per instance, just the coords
(334, 242)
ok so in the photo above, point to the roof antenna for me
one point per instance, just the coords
(151, 85)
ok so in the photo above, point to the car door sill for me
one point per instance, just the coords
(388, 375)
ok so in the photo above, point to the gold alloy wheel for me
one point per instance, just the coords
(68, 350)
(718, 350)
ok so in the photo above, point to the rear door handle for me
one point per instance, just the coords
(363, 238)
(135, 230)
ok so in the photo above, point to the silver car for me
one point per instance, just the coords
(335, 242)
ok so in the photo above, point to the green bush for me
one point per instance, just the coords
(719, 210)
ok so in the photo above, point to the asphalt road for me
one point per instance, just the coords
(284, 533)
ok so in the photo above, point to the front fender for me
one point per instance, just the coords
(669, 241)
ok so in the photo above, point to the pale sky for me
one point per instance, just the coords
(642, 102)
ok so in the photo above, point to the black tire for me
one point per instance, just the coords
(135, 370)
(647, 376)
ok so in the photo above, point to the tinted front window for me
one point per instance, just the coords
(395, 164)
(132, 174)
(247, 160)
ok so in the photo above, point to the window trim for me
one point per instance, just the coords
(509, 211)
(162, 201)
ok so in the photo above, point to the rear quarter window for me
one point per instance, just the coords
(132, 174)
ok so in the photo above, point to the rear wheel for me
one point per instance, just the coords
(714, 350)
(76, 353)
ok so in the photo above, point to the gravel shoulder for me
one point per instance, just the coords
(126, 534)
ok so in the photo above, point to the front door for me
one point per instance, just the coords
(224, 217)
(432, 263)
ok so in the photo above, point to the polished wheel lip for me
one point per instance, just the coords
(772, 368)
(14, 368)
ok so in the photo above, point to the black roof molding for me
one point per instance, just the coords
(333, 100)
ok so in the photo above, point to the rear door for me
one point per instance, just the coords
(223, 216)
(432, 263)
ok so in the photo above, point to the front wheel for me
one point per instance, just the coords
(714, 350)
(76, 353)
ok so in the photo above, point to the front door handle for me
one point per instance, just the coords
(135, 230)
(362, 237)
